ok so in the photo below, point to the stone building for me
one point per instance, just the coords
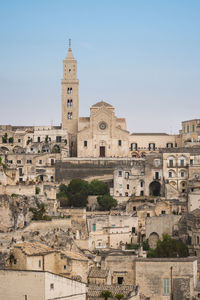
(154, 277)
(39, 257)
(18, 285)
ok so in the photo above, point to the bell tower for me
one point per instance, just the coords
(70, 99)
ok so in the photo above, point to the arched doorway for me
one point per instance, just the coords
(155, 188)
(153, 239)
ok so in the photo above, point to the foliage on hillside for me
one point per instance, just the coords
(169, 247)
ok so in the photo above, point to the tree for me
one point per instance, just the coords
(77, 192)
(97, 187)
(169, 247)
(62, 195)
(106, 202)
(39, 211)
(145, 245)
(106, 294)
(119, 296)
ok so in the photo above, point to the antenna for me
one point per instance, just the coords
(69, 43)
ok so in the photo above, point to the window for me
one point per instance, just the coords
(169, 145)
(29, 161)
(58, 139)
(148, 215)
(156, 162)
(51, 286)
(38, 139)
(170, 174)
(163, 212)
(120, 173)
(69, 91)
(39, 264)
(85, 143)
(141, 183)
(18, 161)
(133, 229)
(191, 162)
(19, 141)
(15, 261)
(171, 162)
(69, 102)
(141, 193)
(64, 267)
(134, 146)
(156, 175)
(10, 161)
(51, 178)
(188, 128)
(120, 280)
(183, 190)
(20, 179)
(193, 128)
(52, 162)
(69, 115)
(126, 175)
(25, 297)
(152, 147)
(127, 186)
(40, 161)
(197, 240)
(93, 227)
(134, 208)
(182, 162)
(119, 143)
(182, 174)
(166, 286)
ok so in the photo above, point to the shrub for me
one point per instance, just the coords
(106, 202)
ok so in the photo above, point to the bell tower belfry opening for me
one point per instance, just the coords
(70, 97)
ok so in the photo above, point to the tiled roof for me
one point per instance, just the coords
(95, 290)
(96, 272)
(34, 248)
(74, 255)
(102, 103)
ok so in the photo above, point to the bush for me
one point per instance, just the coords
(97, 187)
(169, 247)
(119, 296)
(37, 190)
(145, 245)
(106, 202)
(132, 246)
(39, 212)
(106, 294)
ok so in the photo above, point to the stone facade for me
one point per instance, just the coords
(16, 284)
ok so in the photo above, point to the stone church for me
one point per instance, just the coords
(103, 134)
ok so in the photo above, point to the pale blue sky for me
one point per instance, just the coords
(143, 57)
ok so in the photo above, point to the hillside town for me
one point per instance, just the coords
(91, 211)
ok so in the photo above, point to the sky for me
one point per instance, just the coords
(143, 57)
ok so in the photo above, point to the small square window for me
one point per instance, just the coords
(64, 267)
(51, 286)
(119, 142)
(120, 173)
(85, 143)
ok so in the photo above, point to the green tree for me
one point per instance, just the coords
(145, 245)
(106, 202)
(37, 190)
(77, 192)
(97, 187)
(39, 211)
(119, 296)
(106, 294)
(169, 247)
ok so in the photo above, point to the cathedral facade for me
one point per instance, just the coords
(103, 134)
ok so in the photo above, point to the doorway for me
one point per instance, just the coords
(102, 151)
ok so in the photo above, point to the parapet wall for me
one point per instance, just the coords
(101, 168)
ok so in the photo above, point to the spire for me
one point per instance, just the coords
(69, 53)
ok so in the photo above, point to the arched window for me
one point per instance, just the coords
(69, 115)
(69, 102)
(69, 91)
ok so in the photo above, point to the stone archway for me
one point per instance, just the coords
(155, 188)
(153, 239)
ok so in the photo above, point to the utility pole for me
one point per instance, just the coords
(171, 277)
